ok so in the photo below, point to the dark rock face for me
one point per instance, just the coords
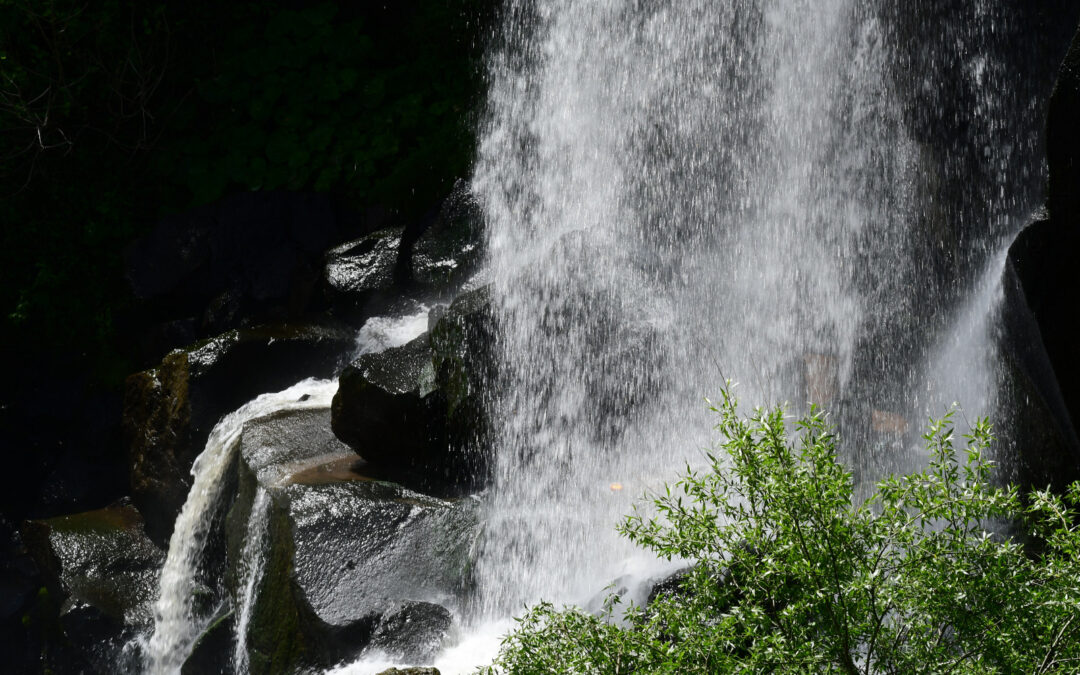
(1047, 449)
(1041, 287)
(101, 572)
(384, 408)
(417, 409)
(169, 411)
(1063, 141)
(353, 560)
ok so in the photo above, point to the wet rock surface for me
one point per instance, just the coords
(1041, 286)
(170, 410)
(449, 250)
(353, 558)
(384, 408)
(418, 409)
(413, 632)
(358, 276)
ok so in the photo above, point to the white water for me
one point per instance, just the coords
(677, 193)
(176, 623)
(252, 562)
(383, 332)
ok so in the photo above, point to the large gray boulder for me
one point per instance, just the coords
(352, 558)
(170, 410)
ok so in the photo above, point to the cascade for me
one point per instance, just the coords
(176, 621)
(677, 193)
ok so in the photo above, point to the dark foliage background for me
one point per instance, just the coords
(114, 114)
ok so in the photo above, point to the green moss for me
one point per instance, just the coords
(276, 643)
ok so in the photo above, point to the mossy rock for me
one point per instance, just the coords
(461, 351)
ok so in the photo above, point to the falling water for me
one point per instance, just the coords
(176, 621)
(677, 193)
(253, 560)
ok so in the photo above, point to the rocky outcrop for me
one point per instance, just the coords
(353, 560)
(170, 410)
(100, 571)
(449, 250)
(433, 256)
(417, 409)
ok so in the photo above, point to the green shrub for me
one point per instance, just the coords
(790, 575)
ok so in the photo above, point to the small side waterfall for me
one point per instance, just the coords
(251, 568)
(176, 622)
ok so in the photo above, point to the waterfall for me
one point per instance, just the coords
(176, 622)
(251, 572)
(677, 193)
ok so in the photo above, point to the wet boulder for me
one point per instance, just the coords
(385, 410)
(170, 410)
(417, 409)
(359, 275)
(101, 571)
(461, 342)
(361, 547)
(352, 558)
(448, 252)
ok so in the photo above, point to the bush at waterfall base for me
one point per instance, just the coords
(792, 574)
